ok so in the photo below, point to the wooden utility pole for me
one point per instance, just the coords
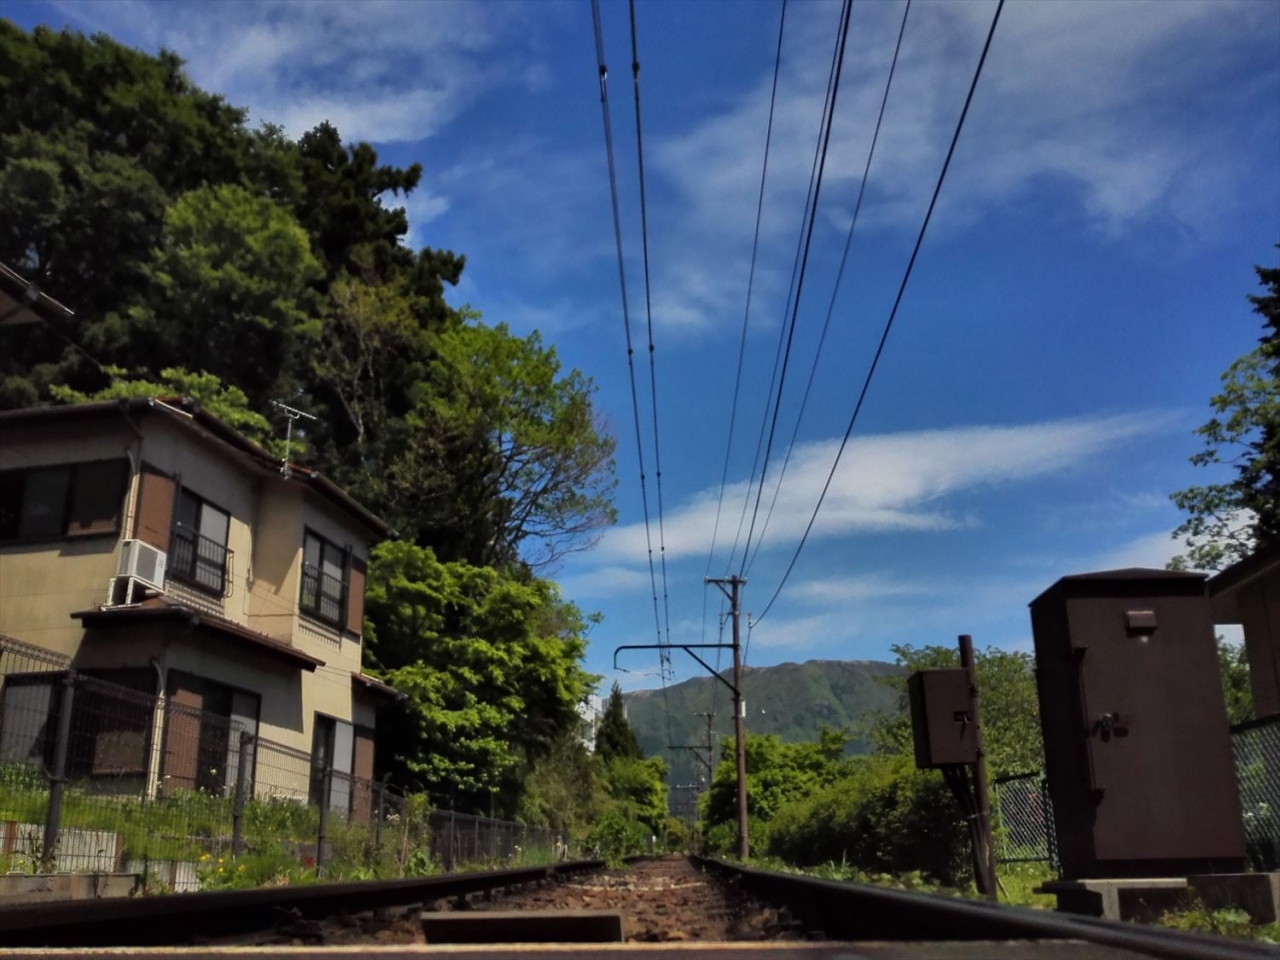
(986, 854)
(739, 708)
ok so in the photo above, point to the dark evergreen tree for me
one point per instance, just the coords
(614, 737)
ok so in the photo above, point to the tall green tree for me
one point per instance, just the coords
(614, 736)
(1233, 663)
(551, 482)
(491, 666)
(1227, 521)
(228, 293)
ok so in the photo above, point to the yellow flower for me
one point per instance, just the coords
(241, 867)
(204, 857)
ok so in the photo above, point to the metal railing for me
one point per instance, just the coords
(96, 777)
(322, 594)
(196, 560)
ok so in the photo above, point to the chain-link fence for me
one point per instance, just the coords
(1023, 819)
(97, 777)
(1257, 752)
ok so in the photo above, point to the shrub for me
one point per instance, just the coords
(885, 817)
(615, 836)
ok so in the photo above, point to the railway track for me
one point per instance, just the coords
(670, 908)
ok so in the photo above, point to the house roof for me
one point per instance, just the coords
(162, 608)
(192, 416)
(22, 302)
(375, 686)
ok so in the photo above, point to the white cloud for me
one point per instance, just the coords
(889, 482)
(604, 581)
(380, 70)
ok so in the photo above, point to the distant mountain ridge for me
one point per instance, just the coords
(791, 700)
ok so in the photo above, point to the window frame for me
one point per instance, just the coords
(73, 470)
(179, 531)
(315, 610)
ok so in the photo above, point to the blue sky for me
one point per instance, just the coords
(1080, 290)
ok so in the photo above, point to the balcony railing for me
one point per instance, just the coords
(323, 594)
(196, 560)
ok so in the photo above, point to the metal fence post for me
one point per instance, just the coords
(57, 781)
(326, 786)
(237, 811)
(377, 816)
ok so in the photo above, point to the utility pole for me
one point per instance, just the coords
(986, 853)
(739, 708)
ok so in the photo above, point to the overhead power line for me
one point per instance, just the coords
(804, 263)
(664, 655)
(626, 313)
(835, 291)
(897, 302)
(782, 327)
(751, 276)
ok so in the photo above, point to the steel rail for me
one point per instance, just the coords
(856, 911)
(182, 918)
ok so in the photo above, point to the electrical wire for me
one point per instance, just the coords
(603, 71)
(897, 302)
(804, 263)
(844, 257)
(626, 313)
(746, 316)
(648, 310)
(782, 327)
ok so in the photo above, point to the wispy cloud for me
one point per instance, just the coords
(381, 70)
(890, 482)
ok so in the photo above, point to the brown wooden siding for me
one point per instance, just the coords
(155, 508)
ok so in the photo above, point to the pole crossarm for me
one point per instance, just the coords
(687, 648)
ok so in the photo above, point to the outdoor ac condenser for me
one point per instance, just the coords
(141, 561)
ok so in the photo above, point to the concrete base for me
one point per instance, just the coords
(1257, 894)
(1142, 899)
(18, 888)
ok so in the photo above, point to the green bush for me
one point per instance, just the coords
(615, 836)
(885, 817)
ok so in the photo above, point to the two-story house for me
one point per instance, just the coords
(162, 550)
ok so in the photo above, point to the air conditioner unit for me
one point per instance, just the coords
(143, 562)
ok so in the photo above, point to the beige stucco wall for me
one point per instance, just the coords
(41, 584)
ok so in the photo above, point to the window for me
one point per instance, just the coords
(203, 722)
(68, 500)
(324, 587)
(198, 547)
(333, 749)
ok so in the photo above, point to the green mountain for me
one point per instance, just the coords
(791, 700)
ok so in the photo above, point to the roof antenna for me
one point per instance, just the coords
(293, 414)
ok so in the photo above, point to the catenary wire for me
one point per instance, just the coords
(804, 263)
(626, 314)
(648, 311)
(782, 327)
(746, 317)
(897, 301)
(844, 257)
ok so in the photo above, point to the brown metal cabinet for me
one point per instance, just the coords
(1137, 744)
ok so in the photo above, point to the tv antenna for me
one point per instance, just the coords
(292, 414)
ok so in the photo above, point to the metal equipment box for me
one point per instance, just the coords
(942, 718)
(1137, 743)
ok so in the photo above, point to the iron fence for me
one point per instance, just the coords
(97, 777)
(1023, 819)
(1256, 744)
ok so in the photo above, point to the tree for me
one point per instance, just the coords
(639, 787)
(552, 479)
(228, 293)
(490, 665)
(227, 403)
(1227, 521)
(777, 774)
(1009, 704)
(614, 736)
(1237, 691)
